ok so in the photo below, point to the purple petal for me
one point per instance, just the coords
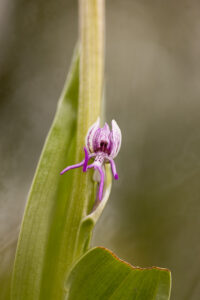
(89, 138)
(101, 139)
(106, 128)
(96, 140)
(116, 138)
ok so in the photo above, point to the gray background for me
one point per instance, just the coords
(152, 90)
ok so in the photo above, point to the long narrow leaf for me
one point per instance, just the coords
(48, 199)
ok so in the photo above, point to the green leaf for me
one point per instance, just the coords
(7, 252)
(48, 200)
(99, 274)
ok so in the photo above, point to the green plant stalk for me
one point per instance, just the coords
(91, 14)
(56, 227)
(91, 64)
(91, 28)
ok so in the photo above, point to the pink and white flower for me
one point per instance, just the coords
(103, 145)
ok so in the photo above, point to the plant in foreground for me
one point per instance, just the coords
(103, 145)
(52, 258)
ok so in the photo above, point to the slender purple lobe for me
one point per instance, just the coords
(86, 160)
(72, 167)
(113, 167)
(101, 172)
(99, 168)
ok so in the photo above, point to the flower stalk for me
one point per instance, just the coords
(91, 73)
(91, 30)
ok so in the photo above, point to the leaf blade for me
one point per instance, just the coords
(99, 274)
(29, 261)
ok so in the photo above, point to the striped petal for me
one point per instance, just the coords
(116, 138)
(101, 139)
(90, 135)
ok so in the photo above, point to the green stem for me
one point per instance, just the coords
(91, 65)
(91, 14)
(91, 23)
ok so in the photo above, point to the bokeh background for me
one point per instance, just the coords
(153, 92)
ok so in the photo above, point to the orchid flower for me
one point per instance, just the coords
(103, 145)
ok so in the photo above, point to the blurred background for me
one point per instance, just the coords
(153, 92)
